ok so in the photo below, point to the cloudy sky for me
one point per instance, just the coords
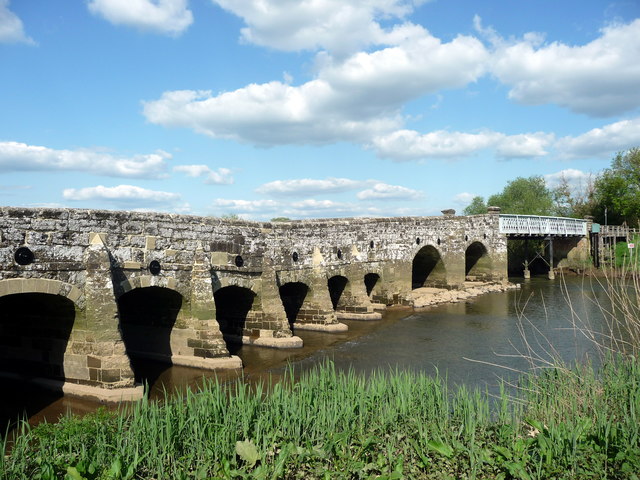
(308, 108)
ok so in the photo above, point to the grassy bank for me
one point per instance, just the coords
(560, 424)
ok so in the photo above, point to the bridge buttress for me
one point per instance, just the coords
(98, 357)
(273, 330)
(196, 338)
(354, 303)
(316, 311)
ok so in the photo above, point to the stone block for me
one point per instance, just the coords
(94, 362)
(150, 243)
(97, 238)
(111, 375)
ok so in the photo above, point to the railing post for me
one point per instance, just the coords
(552, 274)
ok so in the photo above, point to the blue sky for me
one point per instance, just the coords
(309, 108)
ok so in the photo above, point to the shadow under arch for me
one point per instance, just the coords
(337, 286)
(233, 304)
(428, 268)
(370, 282)
(35, 329)
(293, 295)
(147, 318)
(477, 262)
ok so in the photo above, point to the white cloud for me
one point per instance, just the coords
(525, 145)
(328, 208)
(221, 176)
(267, 114)
(127, 194)
(335, 25)
(384, 191)
(576, 179)
(170, 17)
(350, 100)
(11, 28)
(246, 206)
(601, 142)
(412, 145)
(308, 208)
(464, 198)
(309, 186)
(385, 79)
(600, 78)
(15, 157)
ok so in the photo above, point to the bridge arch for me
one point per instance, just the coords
(371, 281)
(428, 269)
(36, 326)
(233, 309)
(293, 295)
(147, 319)
(338, 289)
(223, 281)
(42, 285)
(146, 281)
(35, 331)
(477, 262)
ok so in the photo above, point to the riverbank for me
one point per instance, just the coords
(428, 296)
(332, 424)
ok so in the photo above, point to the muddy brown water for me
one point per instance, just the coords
(463, 341)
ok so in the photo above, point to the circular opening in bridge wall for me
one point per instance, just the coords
(438, 241)
(154, 267)
(418, 241)
(239, 261)
(466, 238)
(295, 256)
(339, 254)
(24, 256)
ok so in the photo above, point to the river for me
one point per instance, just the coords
(466, 341)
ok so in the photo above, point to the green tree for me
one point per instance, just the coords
(524, 196)
(476, 207)
(618, 190)
(575, 201)
(280, 219)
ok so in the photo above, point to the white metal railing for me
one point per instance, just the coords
(536, 225)
(617, 230)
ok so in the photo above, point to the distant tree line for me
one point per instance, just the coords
(614, 192)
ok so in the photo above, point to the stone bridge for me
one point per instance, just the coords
(84, 293)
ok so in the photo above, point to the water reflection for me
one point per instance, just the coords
(462, 340)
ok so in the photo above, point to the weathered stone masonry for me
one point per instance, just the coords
(104, 286)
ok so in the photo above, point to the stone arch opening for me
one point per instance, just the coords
(233, 305)
(147, 318)
(292, 295)
(428, 269)
(477, 263)
(337, 286)
(370, 282)
(35, 329)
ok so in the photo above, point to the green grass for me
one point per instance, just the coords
(625, 257)
(329, 424)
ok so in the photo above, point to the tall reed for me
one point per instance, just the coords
(333, 424)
